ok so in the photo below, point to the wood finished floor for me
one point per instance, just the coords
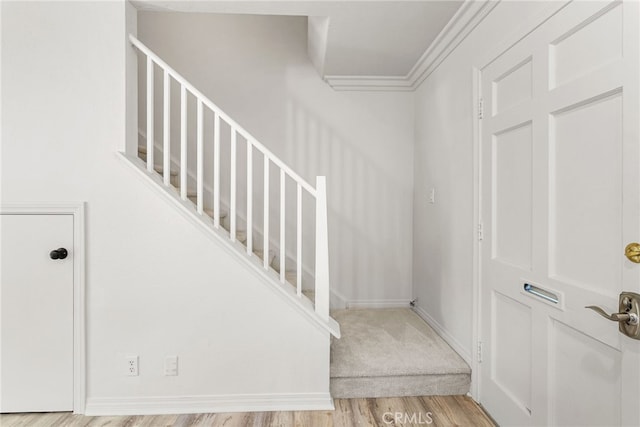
(407, 411)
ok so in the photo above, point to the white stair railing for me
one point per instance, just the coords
(318, 193)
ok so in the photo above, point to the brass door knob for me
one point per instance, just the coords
(632, 252)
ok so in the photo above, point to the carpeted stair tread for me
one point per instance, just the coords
(390, 342)
(209, 212)
(193, 197)
(391, 353)
(160, 170)
(241, 236)
(291, 276)
(259, 253)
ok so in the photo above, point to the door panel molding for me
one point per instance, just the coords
(77, 210)
(529, 24)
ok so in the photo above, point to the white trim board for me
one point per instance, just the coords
(470, 14)
(446, 336)
(79, 345)
(101, 406)
(477, 247)
(340, 302)
(378, 303)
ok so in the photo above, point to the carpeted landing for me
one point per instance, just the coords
(393, 352)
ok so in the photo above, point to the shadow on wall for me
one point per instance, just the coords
(366, 226)
(362, 142)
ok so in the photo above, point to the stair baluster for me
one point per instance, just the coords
(150, 109)
(283, 253)
(249, 198)
(183, 142)
(216, 170)
(200, 159)
(265, 229)
(232, 188)
(166, 134)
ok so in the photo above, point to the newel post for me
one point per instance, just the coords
(322, 250)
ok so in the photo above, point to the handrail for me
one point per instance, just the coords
(253, 141)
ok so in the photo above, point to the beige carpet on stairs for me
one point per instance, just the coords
(393, 352)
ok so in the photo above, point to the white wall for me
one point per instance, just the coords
(444, 232)
(257, 70)
(155, 285)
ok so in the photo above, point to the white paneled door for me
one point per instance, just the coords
(36, 313)
(560, 200)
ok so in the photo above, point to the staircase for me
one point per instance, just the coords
(209, 167)
(209, 188)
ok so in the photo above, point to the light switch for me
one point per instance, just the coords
(171, 366)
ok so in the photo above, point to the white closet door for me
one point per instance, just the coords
(36, 303)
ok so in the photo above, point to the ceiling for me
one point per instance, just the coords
(359, 38)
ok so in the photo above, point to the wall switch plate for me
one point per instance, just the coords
(432, 196)
(131, 366)
(171, 366)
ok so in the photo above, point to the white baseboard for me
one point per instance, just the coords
(159, 405)
(340, 302)
(449, 339)
(337, 300)
(381, 303)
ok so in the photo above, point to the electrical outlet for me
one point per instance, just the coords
(131, 366)
(171, 366)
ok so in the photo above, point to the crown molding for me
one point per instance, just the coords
(470, 14)
(365, 83)
(465, 20)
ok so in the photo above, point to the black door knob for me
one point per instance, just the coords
(60, 253)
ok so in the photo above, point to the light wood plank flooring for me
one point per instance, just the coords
(400, 411)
